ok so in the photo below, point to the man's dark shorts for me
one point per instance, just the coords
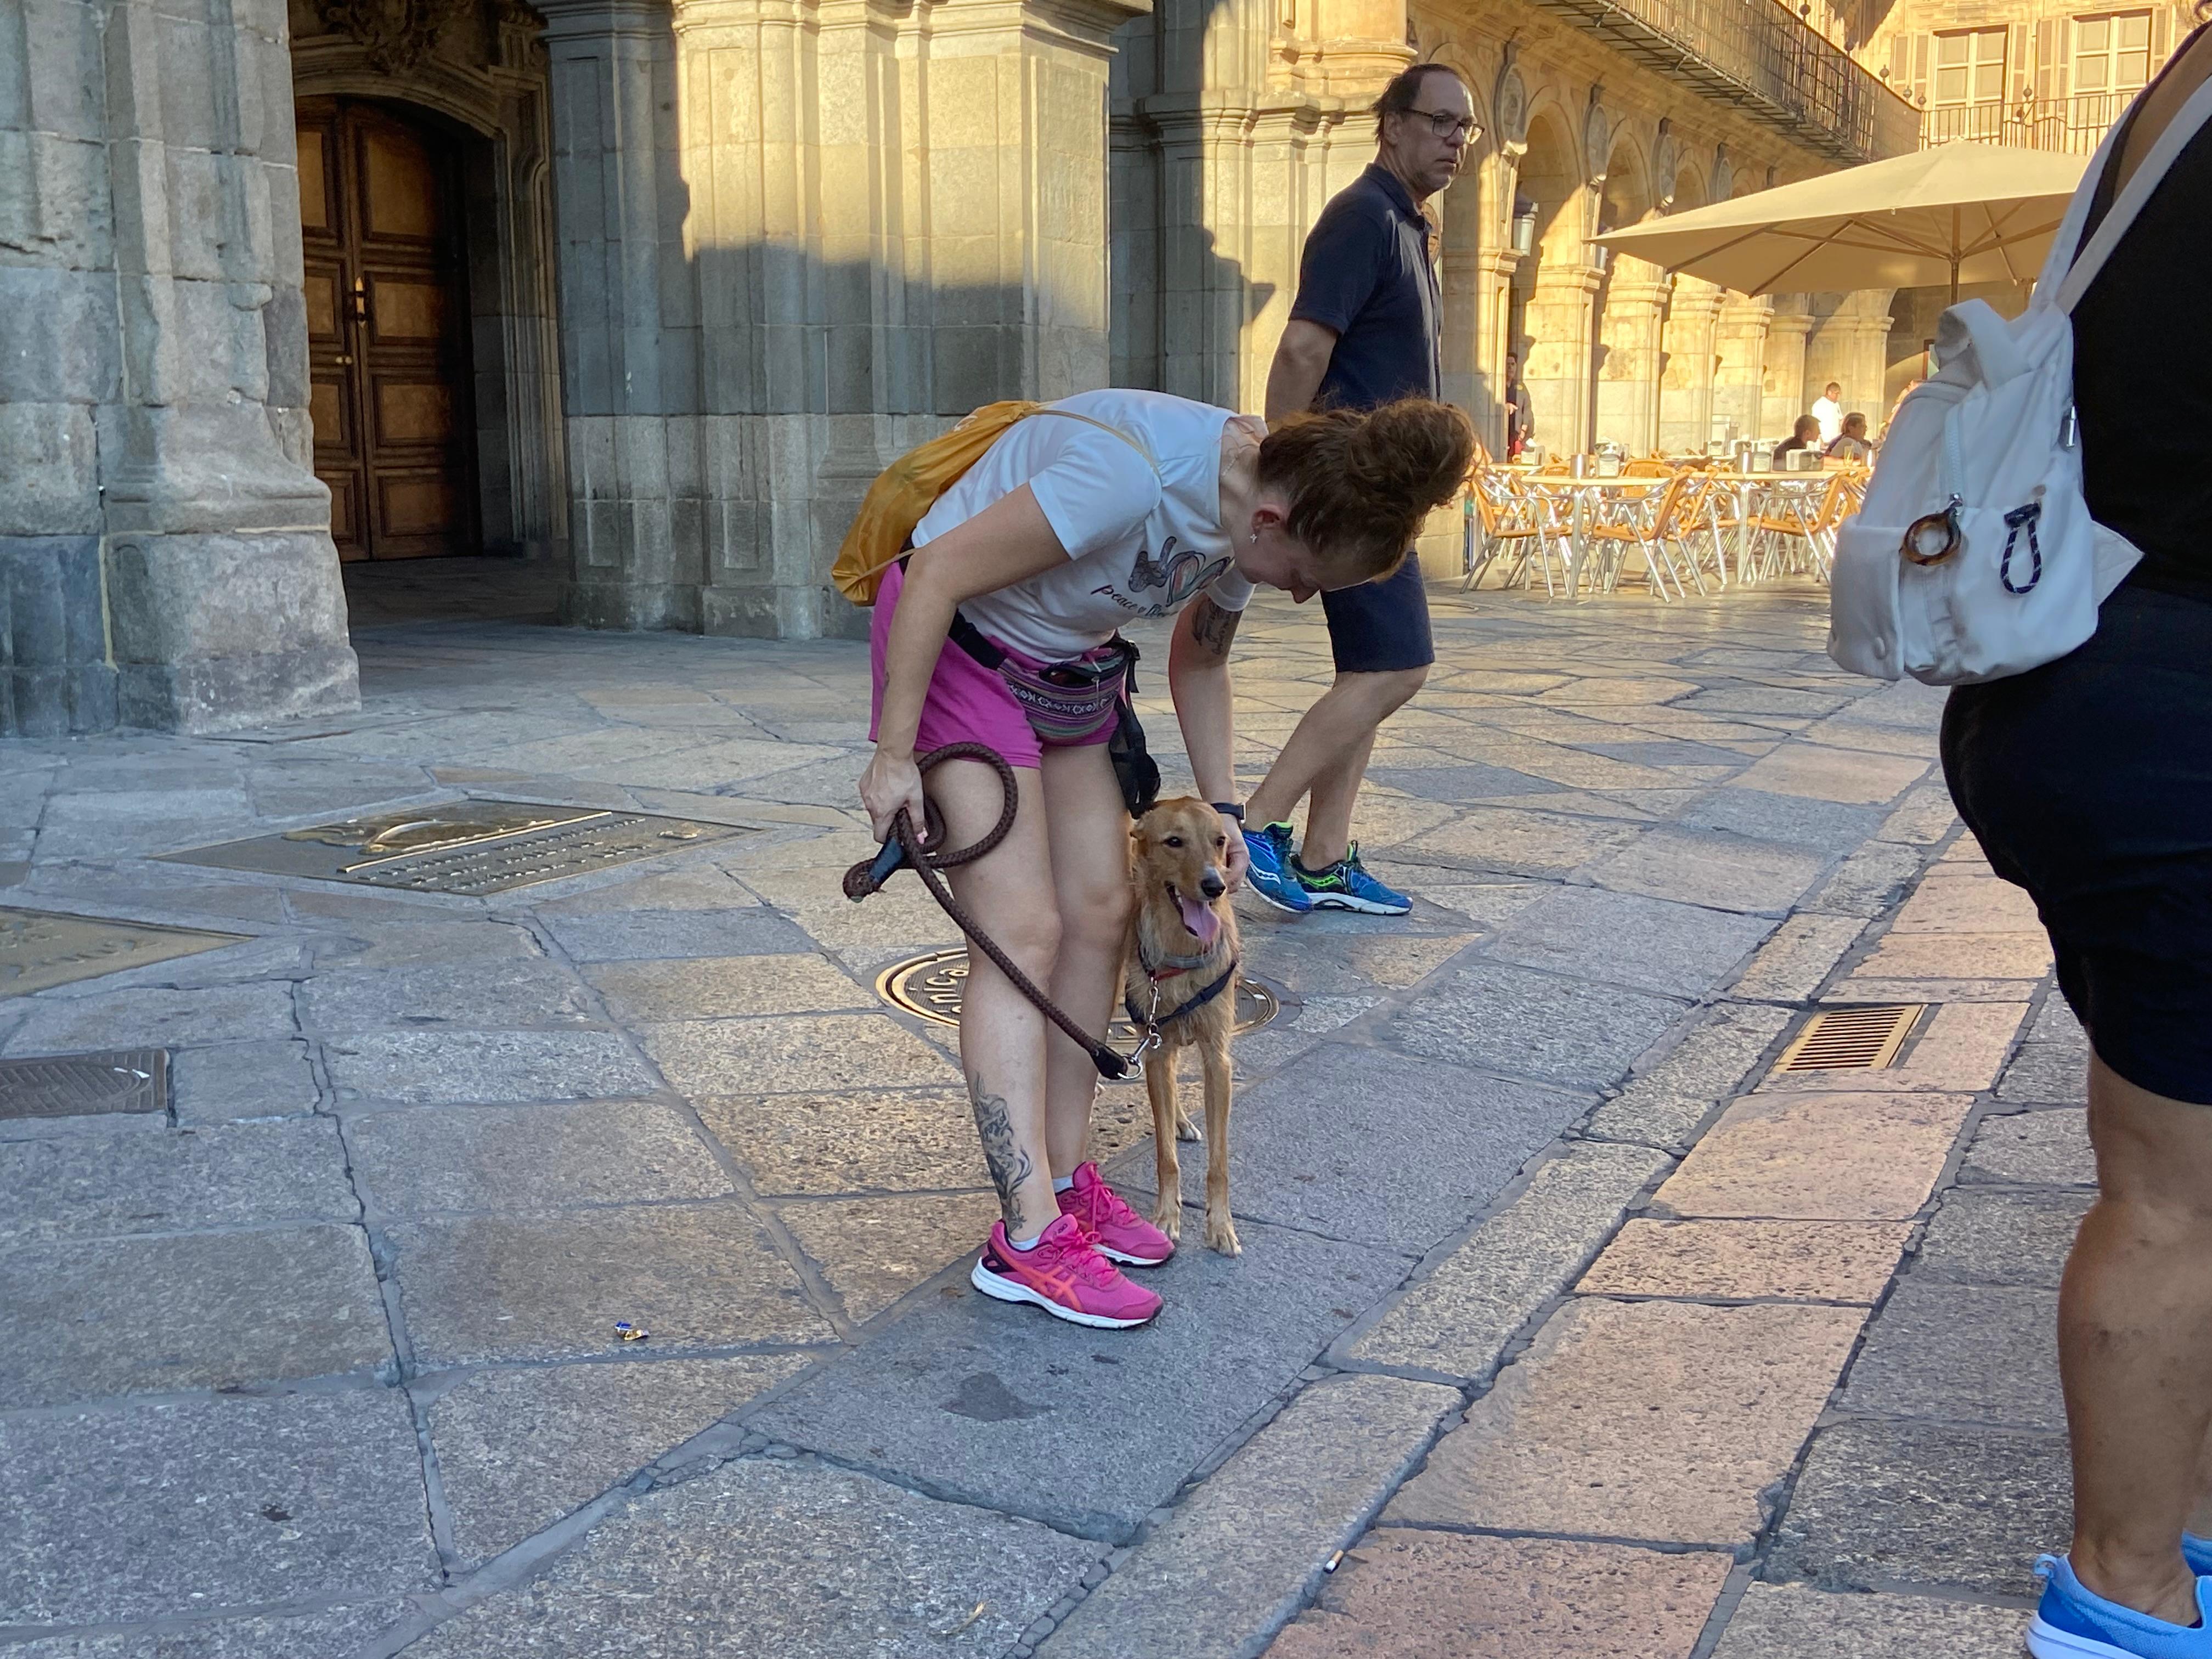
(1379, 628)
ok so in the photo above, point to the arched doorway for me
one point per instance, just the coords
(1632, 305)
(380, 215)
(1548, 326)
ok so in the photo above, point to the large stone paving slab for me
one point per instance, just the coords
(1664, 1105)
(2046, 1148)
(1890, 1504)
(1750, 1261)
(494, 1068)
(519, 1449)
(1525, 1023)
(474, 994)
(488, 1288)
(235, 1080)
(1262, 1524)
(1457, 1321)
(92, 1319)
(95, 1185)
(230, 1502)
(1772, 1622)
(333, 1633)
(829, 1051)
(1368, 1144)
(716, 987)
(1819, 1157)
(1656, 1420)
(1404, 1595)
(1000, 1406)
(872, 1251)
(1962, 1353)
(1713, 868)
(530, 1157)
(785, 1558)
(2004, 1238)
(154, 1017)
(1676, 950)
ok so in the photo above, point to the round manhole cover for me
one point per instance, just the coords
(931, 987)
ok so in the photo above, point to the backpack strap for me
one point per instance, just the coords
(1104, 426)
(2183, 128)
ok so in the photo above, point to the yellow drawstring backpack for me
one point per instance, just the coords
(904, 491)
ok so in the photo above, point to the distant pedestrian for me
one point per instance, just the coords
(1366, 329)
(2088, 783)
(1850, 444)
(1520, 418)
(1828, 410)
(1805, 436)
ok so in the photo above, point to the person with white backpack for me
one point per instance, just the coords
(2039, 536)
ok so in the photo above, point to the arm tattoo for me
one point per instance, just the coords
(1213, 628)
(1010, 1165)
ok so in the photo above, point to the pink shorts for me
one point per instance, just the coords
(966, 702)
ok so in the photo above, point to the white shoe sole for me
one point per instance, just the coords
(1366, 906)
(1268, 897)
(1121, 1260)
(1005, 1290)
(2046, 1641)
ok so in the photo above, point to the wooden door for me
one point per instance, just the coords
(387, 330)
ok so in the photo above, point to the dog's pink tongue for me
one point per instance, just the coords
(1200, 919)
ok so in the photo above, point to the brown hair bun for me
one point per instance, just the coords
(1359, 482)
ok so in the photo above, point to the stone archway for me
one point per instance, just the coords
(1685, 383)
(1631, 309)
(1549, 309)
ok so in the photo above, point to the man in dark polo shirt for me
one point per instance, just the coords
(1366, 328)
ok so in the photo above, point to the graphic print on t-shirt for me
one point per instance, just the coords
(1180, 574)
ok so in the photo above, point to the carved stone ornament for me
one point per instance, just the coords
(1510, 103)
(397, 34)
(1597, 137)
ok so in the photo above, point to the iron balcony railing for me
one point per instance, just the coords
(2075, 125)
(1758, 55)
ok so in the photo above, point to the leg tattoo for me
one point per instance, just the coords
(1010, 1165)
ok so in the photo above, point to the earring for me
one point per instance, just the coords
(1256, 538)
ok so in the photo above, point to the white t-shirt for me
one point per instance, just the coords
(1829, 414)
(1143, 539)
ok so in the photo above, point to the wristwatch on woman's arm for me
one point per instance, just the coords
(1230, 809)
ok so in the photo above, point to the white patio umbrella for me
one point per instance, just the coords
(1957, 213)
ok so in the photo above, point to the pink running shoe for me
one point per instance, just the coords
(1064, 1274)
(1120, 1234)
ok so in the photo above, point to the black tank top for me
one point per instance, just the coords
(2142, 375)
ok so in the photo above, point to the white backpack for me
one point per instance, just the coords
(1974, 555)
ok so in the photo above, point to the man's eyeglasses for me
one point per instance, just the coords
(1446, 125)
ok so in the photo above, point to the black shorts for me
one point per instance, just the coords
(2089, 783)
(1377, 627)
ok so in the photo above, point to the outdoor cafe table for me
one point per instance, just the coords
(1577, 494)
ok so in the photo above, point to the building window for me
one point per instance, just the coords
(2111, 52)
(1970, 67)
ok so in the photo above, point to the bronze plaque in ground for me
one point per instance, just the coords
(932, 986)
(39, 949)
(467, 847)
(81, 1086)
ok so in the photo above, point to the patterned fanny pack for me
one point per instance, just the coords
(1067, 703)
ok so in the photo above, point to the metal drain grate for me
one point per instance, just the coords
(1851, 1039)
(79, 1086)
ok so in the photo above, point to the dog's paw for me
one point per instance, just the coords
(1185, 1129)
(1168, 1217)
(1221, 1235)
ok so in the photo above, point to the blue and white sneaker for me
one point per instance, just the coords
(1345, 885)
(2072, 1622)
(1269, 849)
(2197, 1551)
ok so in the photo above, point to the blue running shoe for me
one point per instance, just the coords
(1345, 885)
(2197, 1551)
(2072, 1622)
(1269, 849)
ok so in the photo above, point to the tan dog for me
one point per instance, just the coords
(1183, 945)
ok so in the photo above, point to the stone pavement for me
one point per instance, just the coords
(322, 1362)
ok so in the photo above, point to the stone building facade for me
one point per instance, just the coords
(650, 289)
(2038, 74)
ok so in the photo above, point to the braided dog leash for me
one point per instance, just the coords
(869, 875)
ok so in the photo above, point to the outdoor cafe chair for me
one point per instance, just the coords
(1648, 527)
